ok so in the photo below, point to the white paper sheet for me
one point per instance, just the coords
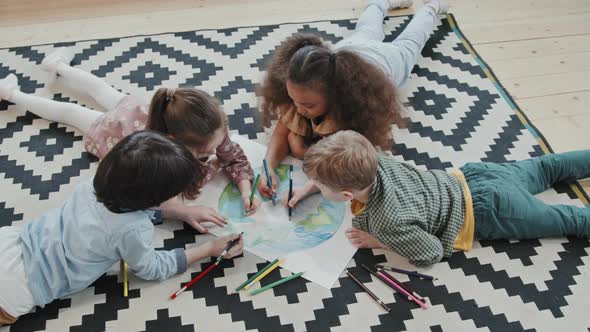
(323, 252)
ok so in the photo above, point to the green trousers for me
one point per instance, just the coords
(503, 197)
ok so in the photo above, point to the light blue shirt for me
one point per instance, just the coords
(67, 249)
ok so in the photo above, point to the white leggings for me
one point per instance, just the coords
(397, 59)
(70, 113)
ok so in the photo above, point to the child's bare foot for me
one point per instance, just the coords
(7, 85)
(362, 239)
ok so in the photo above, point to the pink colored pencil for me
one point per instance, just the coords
(403, 291)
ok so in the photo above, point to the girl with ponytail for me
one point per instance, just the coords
(316, 91)
(191, 116)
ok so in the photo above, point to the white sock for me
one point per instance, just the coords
(60, 55)
(439, 6)
(7, 86)
(385, 5)
(393, 4)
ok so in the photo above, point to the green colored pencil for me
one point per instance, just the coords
(254, 188)
(256, 275)
(276, 283)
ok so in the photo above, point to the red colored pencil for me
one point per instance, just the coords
(195, 279)
(202, 274)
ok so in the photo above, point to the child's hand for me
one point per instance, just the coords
(263, 188)
(195, 215)
(249, 210)
(217, 246)
(298, 195)
(361, 239)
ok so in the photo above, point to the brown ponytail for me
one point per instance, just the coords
(192, 116)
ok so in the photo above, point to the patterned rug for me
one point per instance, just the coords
(458, 112)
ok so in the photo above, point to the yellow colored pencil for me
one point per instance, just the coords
(265, 273)
(125, 278)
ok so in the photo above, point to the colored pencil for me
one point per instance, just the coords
(265, 273)
(276, 283)
(410, 273)
(406, 288)
(256, 275)
(371, 294)
(125, 278)
(290, 190)
(412, 297)
(203, 273)
(254, 189)
(269, 181)
(228, 248)
(382, 279)
(194, 280)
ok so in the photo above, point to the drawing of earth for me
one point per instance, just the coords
(314, 220)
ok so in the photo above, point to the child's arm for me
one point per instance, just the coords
(361, 239)
(245, 188)
(299, 194)
(234, 162)
(215, 248)
(297, 145)
(237, 168)
(277, 150)
(135, 247)
(420, 247)
(193, 215)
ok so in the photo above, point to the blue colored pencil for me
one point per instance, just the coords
(410, 273)
(269, 181)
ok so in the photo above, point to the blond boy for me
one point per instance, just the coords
(424, 215)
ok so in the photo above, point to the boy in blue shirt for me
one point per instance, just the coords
(68, 248)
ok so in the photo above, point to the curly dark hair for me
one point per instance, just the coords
(360, 96)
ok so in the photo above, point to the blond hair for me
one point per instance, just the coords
(344, 160)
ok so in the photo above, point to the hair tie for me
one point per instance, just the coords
(333, 58)
(170, 93)
(304, 43)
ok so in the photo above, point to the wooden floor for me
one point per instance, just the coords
(539, 49)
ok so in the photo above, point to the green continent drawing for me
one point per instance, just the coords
(314, 220)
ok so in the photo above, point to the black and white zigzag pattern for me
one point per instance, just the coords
(456, 114)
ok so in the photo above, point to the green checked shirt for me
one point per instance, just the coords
(415, 213)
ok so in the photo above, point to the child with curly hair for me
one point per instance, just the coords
(317, 91)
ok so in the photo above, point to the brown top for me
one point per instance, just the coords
(300, 125)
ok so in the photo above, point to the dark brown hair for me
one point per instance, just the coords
(144, 170)
(190, 115)
(360, 96)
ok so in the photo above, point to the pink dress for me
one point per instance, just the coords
(130, 115)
